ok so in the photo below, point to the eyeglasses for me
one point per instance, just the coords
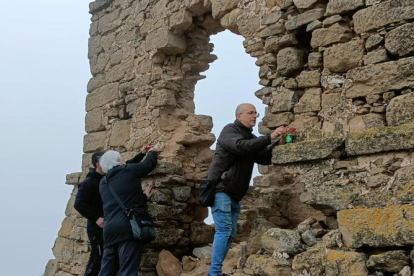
(257, 115)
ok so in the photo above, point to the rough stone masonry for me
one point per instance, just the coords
(337, 202)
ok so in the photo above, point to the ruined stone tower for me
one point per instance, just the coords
(341, 71)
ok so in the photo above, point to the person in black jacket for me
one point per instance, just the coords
(122, 251)
(237, 150)
(88, 203)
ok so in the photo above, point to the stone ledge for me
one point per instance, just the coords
(381, 139)
(376, 227)
(305, 151)
(372, 141)
(98, 5)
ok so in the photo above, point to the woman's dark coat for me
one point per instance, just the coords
(126, 181)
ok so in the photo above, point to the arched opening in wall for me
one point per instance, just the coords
(231, 79)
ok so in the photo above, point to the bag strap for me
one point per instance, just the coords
(116, 197)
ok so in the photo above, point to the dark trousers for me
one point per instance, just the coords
(124, 256)
(95, 234)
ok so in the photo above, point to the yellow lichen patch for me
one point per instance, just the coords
(379, 226)
(405, 190)
(405, 129)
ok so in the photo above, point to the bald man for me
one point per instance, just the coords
(237, 150)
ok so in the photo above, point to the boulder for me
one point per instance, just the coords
(168, 264)
(282, 241)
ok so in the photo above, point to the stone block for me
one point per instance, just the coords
(162, 97)
(94, 46)
(376, 57)
(248, 25)
(282, 241)
(310, 262)
(283, 101)
(72, 178)
(400, 41)
(98, 5)
(221, 7)
(201, 233)
(290, 60)
(164, 40)
(268, 58)
(94, 141)
(94, 120)
(304, 4)
(262, 265)
(101, 96)
(229, 21)
(400, 110)
(167, 168)
(343, 263)
(343, 57)
(198, 7)
(334, 34)
(181, 20)
(275, 44)
(379, 78)
(310, 101)
(365, 122)
(309, 79)
(96, 82)
(120, 133)
(63, 249)
(373, 41)
(390, 261)
(188, 139)
(275, 120)
(284, 4)
(380, 140)
(332, 20)
(272, 18)
(275, 29)
(305, 151)
(342, 6)
(259, 227)
(314, 25)
(380, 15)
(309, 127)
(377, 227)
(315, 60)
(304, 18)
(330, 100)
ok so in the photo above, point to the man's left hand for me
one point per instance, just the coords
(145, 149)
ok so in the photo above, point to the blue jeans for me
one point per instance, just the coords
(225, 215)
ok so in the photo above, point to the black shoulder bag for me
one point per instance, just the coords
(142, 227)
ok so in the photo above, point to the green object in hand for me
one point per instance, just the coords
(290, 138)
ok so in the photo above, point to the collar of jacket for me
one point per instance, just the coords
(239, 124)
(114, 171)
(93, 173)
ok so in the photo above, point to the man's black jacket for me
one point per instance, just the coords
(237, 150)
(126, 181)
(88, 201)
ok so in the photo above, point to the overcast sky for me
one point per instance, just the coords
(44, 71)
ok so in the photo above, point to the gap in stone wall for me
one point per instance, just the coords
(232, 79)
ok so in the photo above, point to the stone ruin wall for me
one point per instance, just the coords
(341, 71)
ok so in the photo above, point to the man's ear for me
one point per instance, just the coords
(238, 116)
(98, 166)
